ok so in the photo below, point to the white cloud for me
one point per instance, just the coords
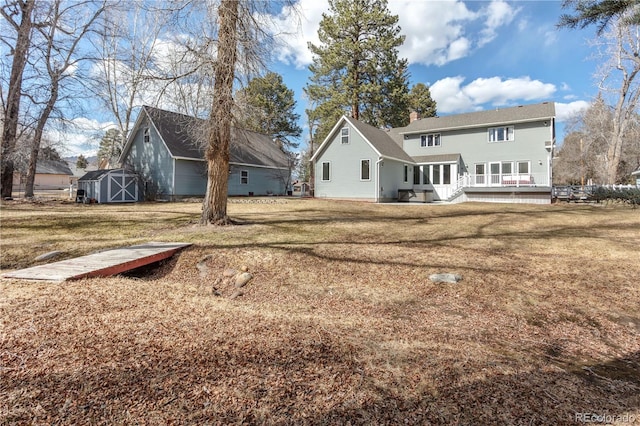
(449, 95)
(437, 32)
(295, 29)
(452, 96)
(498, 13)
(567, 111)
(434, 30)
(81, 136)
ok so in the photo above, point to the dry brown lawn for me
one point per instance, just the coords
(340, 324)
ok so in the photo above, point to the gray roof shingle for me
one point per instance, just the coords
(185, 137)
(522, 113)
(440, 158)
(53, 167)
(381, 140)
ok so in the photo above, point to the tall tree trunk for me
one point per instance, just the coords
(214, 208)
(37, 138)
(10, 127)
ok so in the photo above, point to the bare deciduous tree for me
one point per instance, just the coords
(241, 50)
(66, 24)
(619, 82)
(20, 51)
(214, 209)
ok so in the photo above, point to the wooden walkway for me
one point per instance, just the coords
(103, 264)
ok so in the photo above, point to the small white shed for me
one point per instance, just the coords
(109, 186)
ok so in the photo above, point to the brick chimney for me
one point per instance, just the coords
(413, 116)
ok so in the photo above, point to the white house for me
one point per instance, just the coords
(501, 155)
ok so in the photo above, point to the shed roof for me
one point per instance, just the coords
(518, 114)
(185, 137)
(94, 174)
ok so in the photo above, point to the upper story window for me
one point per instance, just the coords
(430, 140)
(501, 134)
(146, 136)
(344, 135)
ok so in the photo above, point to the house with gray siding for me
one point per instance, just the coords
(501, 155)
(165, 149)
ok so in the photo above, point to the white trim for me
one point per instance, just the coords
(173, 176)
(338, 125)
(131, 136)
(510, 130)
(426, 140)
(342, 135)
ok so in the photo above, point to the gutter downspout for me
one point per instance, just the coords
(377, 180)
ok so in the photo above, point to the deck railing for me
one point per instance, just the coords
(504, 180)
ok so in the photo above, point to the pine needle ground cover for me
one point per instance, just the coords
(340, 323)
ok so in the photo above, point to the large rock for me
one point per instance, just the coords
(445, 278)
(242, 279)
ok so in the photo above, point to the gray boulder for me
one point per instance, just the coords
(445, 278)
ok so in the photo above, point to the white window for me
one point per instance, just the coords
(523, 167)
(436, 174)
(425, 175)
(365, 169)
(244, 177)
(344, 134)
(416, 175)
(406, 173)
(326, 171)
(146, 136)
(430, 140)
(501, 134)
(446, 174)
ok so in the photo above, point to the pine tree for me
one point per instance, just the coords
(420, 101)
(355, 67)
(600, 13)
(111, 146)
(81, 162)
(267, 106)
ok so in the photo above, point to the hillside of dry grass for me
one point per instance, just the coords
(340, 323)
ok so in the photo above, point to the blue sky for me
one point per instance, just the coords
(474, 55)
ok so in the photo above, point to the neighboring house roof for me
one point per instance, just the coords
(442, 158)
(519, 114)
(53, 167)
(637, 172)
(94, 174)
(185, 138)
(378, 139)
(78, 172)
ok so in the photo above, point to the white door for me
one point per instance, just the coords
(494, 177)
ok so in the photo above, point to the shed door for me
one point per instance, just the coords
(123, 188)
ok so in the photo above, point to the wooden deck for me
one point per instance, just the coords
(103, 264)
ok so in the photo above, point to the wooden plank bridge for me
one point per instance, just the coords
(102, 264)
